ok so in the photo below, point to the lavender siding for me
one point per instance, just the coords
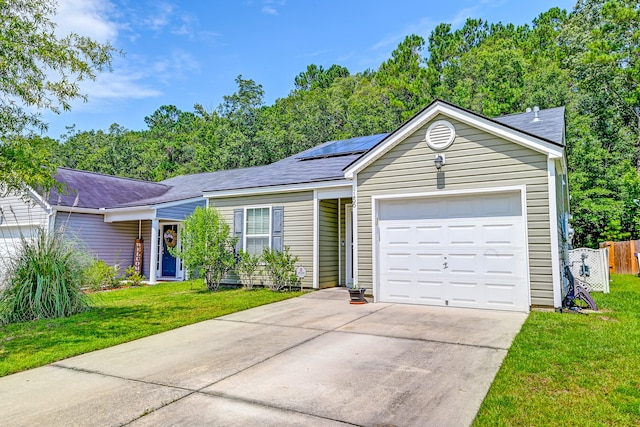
(111, 242)
(179, 212)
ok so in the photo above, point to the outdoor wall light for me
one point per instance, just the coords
(439, 161)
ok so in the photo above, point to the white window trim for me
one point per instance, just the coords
(245, 225)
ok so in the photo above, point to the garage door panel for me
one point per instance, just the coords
(429, 292)
(397, 236)
(428, 235)
(502, 295)
(462, 234)
(502, 264)
(463, 263)
(446, 256)
(464, 294)
(505, 234)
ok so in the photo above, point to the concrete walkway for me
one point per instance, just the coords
(314, 360)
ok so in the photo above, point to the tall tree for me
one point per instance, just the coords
(39, 71)
(317, 77)
(405, 76)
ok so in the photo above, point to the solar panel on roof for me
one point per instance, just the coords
(343, 147)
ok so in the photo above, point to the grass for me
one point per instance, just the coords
(573, 369)
(120, 316)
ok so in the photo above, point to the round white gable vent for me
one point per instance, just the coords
(440, 135)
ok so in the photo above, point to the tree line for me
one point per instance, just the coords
(586, 59)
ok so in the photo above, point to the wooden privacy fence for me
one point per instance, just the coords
(622, 258)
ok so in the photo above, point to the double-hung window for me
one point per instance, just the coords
(257, 230)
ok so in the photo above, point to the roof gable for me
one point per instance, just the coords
(503, 129)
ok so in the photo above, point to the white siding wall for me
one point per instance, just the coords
(17, 219)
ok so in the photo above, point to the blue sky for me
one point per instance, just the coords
(188, 52)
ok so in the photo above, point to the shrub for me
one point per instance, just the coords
(44, 280)
(133, 277)
(247, 267)
(280, 268)
(207, 244)
(100, 275)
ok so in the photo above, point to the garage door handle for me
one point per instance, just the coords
(445, 265)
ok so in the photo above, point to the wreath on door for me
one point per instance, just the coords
(170, 238)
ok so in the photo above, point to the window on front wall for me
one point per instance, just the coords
(257, 230)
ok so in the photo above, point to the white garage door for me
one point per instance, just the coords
(462, 251)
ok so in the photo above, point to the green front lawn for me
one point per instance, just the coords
(573, 369)
(120, 316)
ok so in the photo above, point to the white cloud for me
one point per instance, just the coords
(120, 84)
(176, 66)
(160, 18)
(270, 7)
(269, 10)
(87, 18)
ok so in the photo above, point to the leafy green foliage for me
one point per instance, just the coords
(26, 161)
(247, 268)
(132, 277)
(44, 280)
(99, 275)
(39, 71)
(280, 268)
(206, 245)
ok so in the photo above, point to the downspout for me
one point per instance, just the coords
(556, 268)
(339, 242)
(51, 219)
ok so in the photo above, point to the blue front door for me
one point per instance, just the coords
(169, 237)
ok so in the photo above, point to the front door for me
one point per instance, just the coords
(169, 238)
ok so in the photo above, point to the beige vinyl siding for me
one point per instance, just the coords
(328, 243)
(298, 221)
(475, 160)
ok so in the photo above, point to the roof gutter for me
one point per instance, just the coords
(308, 186)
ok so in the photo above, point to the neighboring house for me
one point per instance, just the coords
(451, 209)
(105, 215)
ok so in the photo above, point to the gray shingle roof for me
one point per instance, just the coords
(549, 126)
(84, 189)
(104, 191)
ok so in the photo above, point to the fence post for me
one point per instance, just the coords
(612, 256)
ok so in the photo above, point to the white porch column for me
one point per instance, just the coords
(153, 257)
(316, 240)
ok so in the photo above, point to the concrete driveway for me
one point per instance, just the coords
(314, 360)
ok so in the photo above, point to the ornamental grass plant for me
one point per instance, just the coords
(44, 280)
